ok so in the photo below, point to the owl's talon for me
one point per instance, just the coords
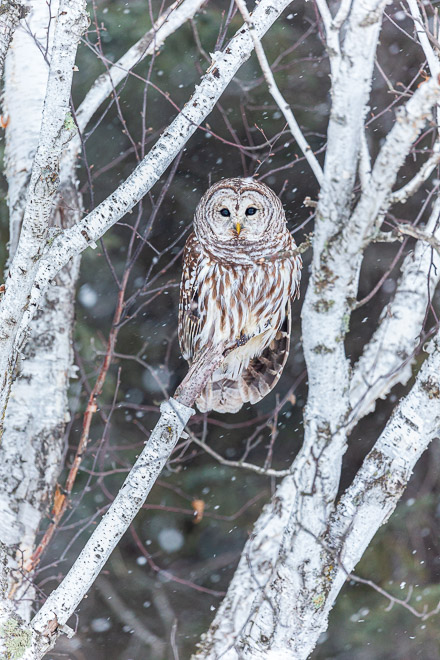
(241, 341)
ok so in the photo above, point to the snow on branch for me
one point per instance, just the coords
(26, 75)
(388, 356)
(351, 53)
(363, 508)
(421, 235)
(37, 407)
(333, 281)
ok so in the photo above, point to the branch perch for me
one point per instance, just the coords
(175, 413)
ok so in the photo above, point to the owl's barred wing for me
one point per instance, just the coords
(253, 369)
(264, 371)
(189, 313)
(248, 307)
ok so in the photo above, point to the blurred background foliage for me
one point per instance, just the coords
(159, 591)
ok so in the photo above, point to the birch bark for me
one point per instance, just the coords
(33, 439)
(10, 15)
(274, 602)
(55, 131)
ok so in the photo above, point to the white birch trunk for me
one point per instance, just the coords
(26, 75)
(274, 602)
(33, 439)
(54, 132)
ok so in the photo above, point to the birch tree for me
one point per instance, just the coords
(314, 530)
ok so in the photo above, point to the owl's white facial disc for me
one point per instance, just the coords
(239, 211)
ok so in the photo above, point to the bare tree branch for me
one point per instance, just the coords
(62, 602)
(37, 409)
(402, 195)
(170, 21)
(389, 354)
(278, 97)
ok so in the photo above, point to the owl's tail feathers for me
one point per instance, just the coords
(257, 380)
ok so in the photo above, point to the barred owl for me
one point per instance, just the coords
(238, 280)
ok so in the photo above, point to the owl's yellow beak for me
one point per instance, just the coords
(238, 228)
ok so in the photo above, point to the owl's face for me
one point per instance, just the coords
(238, 211)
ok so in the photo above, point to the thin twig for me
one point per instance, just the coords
(278, 97)
(396, 601)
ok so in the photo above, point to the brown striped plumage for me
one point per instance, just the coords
(237, 284)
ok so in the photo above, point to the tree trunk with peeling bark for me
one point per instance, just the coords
(304, 543)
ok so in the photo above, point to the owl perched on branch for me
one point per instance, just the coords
(239, 277)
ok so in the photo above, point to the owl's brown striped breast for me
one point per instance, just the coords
(226, 302)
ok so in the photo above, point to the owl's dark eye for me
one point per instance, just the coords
(251, 210)
(225, 213)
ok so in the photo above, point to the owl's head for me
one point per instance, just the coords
(239, 212)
